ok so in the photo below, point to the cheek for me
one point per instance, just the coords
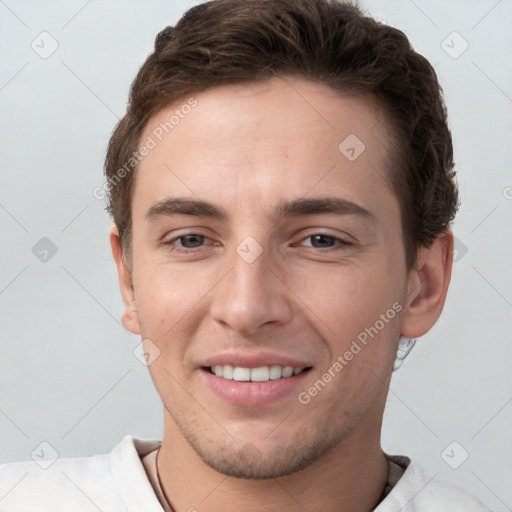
(343, 303)
(165, 299)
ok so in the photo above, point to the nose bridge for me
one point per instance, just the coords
(250, 295)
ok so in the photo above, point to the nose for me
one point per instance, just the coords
(252, 294)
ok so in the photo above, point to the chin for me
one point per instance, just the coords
(252, 461)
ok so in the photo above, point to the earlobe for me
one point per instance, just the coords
(130, 319)
(428, 286)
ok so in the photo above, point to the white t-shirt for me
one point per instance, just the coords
(118, 482)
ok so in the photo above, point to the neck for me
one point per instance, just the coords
(350, 477)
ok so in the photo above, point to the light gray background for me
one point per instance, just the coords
(68, 375)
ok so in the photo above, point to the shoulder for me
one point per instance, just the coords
(68, 481)
(79, 483)
(418, 491)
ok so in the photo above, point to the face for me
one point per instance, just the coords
(267, 241)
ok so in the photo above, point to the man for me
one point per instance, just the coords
(282, 188)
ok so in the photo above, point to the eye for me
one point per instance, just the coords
(327, 241)
(188, 242)
(193, 242)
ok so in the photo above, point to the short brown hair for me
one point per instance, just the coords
(328, 41)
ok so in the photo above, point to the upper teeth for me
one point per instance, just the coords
(260, 374)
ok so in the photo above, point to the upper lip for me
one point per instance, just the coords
(245, 360)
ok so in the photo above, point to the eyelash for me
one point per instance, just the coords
(343, 244)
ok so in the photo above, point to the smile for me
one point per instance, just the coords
(260, 374)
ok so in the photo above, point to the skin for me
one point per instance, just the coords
(245, 149)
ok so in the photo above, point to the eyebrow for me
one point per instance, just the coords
(292, 208)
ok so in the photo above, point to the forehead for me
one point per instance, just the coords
(252, 144)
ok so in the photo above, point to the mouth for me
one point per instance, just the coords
(254, 386)
(254, 378)
(259, 374)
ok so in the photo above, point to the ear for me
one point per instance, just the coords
(130, 318)
(427, 286)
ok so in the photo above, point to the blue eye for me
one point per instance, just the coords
(194, 240)
(326, 241)
(187, 242)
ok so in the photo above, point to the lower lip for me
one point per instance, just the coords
(252, 394)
